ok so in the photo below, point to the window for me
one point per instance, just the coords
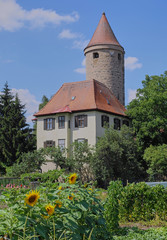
(95, 55)
(61, 122)
(104, 121)
(69, 124)
(49, 123)
(61, 143)
(49, 143)
(82, 140)
(80, 121)
(119, 56)
(117, 124)
(125, 122)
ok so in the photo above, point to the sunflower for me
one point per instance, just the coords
(58, 204)
(50, 209)
(32, 198)
(71, 196)
(72, 178)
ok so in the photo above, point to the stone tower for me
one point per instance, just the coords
(105, 59)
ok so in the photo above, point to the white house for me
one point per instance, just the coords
(80, 110)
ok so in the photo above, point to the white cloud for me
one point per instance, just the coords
(66, 33)
(131, 94)
(8, 61)
(81, 70)
(80, 44)
(14, 17)
(31, 104)
(132, 63)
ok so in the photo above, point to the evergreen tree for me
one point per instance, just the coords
(15, 134)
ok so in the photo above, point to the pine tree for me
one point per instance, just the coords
(15, 135)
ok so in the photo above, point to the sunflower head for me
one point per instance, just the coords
(72, 178)
(71, 196)
(32, 198)
(58, 204)
(50, 209)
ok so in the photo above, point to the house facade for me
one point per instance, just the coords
(79, 111)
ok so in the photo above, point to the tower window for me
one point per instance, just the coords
(95, 55)
(119, 56)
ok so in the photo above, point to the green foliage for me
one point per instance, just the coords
(149, 112)
(156, 158)
(47, 178)
(30, 162)
(15, 135)
(111, 206)
(116, 157)
(80, 159)
(79, 218)
(56, 154)
(140, 202)
(150, 234)
(45, 100)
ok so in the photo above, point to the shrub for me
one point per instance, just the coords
(111, 206)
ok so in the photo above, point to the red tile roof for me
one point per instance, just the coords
(103, 34)
(83, 96)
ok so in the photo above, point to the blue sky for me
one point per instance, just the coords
(42, 42)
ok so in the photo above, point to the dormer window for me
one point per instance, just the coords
(95, 55)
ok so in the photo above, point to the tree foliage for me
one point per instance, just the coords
(149, 112)
(116, 157)
(80, 159)
(45, 100)
(156, 158)
(15, 135)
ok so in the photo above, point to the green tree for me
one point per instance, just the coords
(149, 112)
(29, 162)
(45, 100)
(15, 134)
(156, 158)
(80, 160)
(116, 157)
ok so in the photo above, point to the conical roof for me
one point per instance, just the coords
(103, 34)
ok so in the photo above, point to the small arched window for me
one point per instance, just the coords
(95, 55)
(119, 56)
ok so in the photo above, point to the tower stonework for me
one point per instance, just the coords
(105, 59)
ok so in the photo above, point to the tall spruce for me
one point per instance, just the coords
(15, 134)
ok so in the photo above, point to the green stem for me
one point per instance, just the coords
(24, 230)
(54, 231)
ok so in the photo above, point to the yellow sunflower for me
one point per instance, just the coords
(50, 209)
(32, 198)
(58, 204)
(72, 178)
(71, 196)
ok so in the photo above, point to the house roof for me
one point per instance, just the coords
(103, 34)
(83, 96)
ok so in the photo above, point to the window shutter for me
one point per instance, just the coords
(85, 120)
(45, 124)
(102, 121)
(44, 144)
(53, 143)
(53, 123)
(76, 121)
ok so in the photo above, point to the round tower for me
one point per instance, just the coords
(105, 59)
